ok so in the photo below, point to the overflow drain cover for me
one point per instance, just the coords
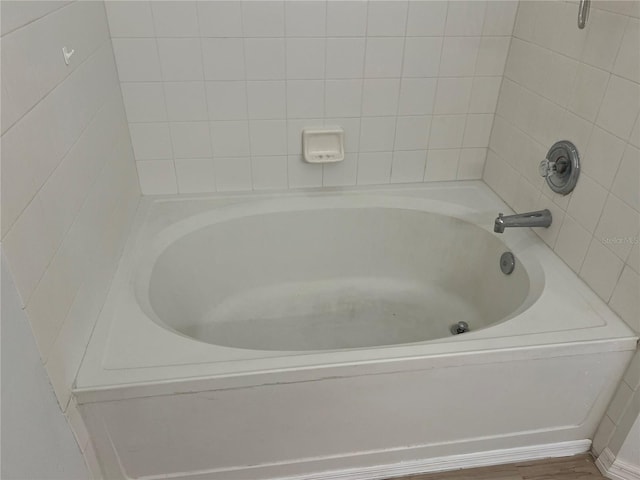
(507, 263)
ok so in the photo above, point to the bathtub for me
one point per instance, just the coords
(308, 335)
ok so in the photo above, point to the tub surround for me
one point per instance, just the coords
(135, 368)
(413, 83)
(594, 101)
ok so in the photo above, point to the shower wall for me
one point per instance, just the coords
(69, 184)
(217, 93)
(582, 85)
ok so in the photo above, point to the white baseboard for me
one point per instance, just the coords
(390, 470)
(613, 468)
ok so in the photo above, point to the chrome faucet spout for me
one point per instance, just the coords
(540, 218)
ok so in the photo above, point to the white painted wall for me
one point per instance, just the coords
(37, 442)
(217, 92)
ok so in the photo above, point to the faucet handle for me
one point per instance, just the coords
(547, 168)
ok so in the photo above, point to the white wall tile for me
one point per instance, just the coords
(305, 98)
(624, 300)
(195, 175)
(305, 58)
(447, 131)
(263, 18)
(130, 19)
(29, 249)
(342, 173)
(465, 18)
(186, 101)
(471, 163)
(346, 18)
(266, 99)
(345, 57)
(422, 56)
(477, 130)
(351, 127)
(191, 139)
(230, 138)
(572, 243)
(412, 133)
(602, 156)
(232, 173)
(377, 134)
(626, 185)
(603, 39)
(294, 133)
(151, 140)
(601, 269)
(380, 97)
(269, 172)
(620, 107)
(137, 59)
(343, 98)
(550, 234)
(453, 95)
(408, 167)
(374, 168)
(227, 100)
(426, 19)
(302, 174)
(220, 18)
(499, 17)
(442, 165)
(417, 96)
(144, 102)
(587, 91)
(627, 63)
(175, 18)
(180, 59)
(383, 57)
(387, 18)
(305, 19)
(157, 177)
(459, 55)
(268, 137)
(223, 58)
(635, 134)
(265, 58)
(587, 202)
(618, 227)
(492, 54)
(484, 94)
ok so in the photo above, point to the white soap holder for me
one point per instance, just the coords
(323, 145)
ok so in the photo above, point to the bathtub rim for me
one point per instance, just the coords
(94, 382)
(190, 225)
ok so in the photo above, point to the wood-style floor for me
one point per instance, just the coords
(579, 467)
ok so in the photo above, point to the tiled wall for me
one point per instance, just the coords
(69, 184)
(217, 92)
(582, 85)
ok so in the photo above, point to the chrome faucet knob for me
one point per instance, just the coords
(547, 168)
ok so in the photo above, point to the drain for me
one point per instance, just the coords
(460, 327)
(507, 263)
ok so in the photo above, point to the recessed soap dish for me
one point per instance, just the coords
(323, 145)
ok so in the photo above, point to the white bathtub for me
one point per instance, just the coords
(308, 334)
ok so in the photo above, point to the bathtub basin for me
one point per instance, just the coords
(294, 335)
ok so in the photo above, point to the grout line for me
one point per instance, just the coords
(206, 99)
(397, 115)
(64, 154)
(164, 96)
